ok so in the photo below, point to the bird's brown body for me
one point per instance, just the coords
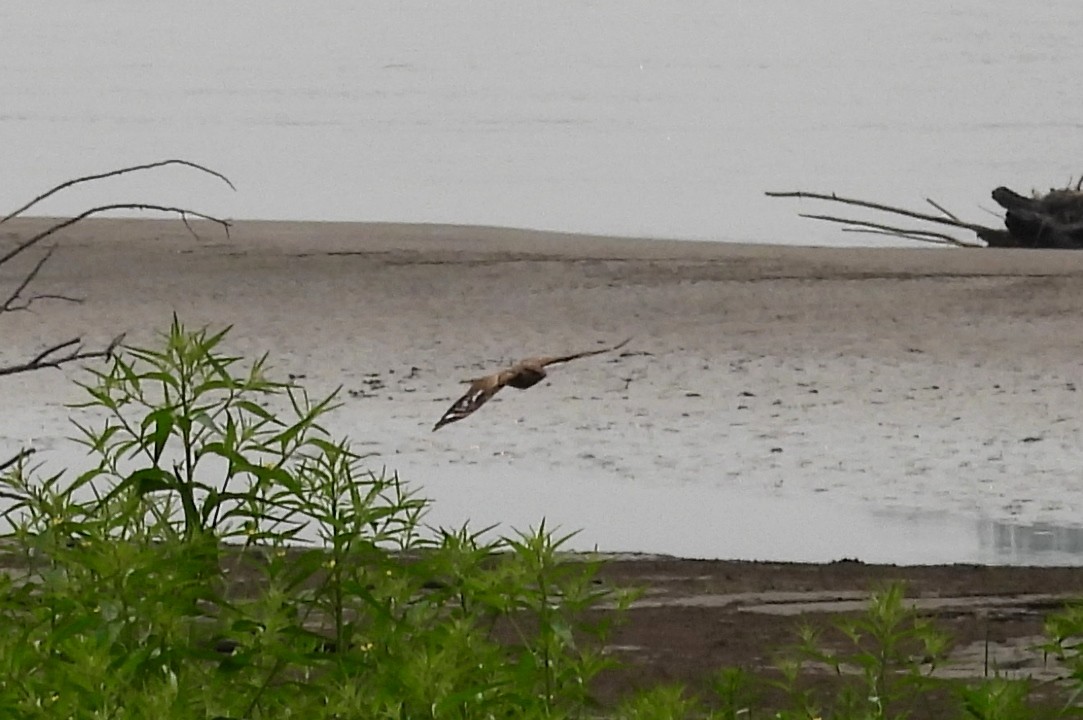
(522, 375)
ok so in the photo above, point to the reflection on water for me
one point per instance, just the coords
(1037, 544)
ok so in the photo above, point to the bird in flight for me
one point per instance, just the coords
(522, 375)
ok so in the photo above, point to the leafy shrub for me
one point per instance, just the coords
(225, 557)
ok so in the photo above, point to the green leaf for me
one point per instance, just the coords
(209, 385)
(221, 450)
(253, 409)
(148, 480)
(162, 377)
(162, 419)
(210, 503)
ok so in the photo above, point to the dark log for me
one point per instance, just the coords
(997, 238)
(1054, 220)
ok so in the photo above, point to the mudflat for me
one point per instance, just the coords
(775, 402)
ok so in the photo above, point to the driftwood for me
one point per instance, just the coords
(1053, 220)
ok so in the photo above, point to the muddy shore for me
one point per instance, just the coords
(776, 403)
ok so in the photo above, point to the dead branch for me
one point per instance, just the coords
(992, 236)
(910, 233)
(932, 240)
(11, 305)
(942, 209)
(884, 208)
(18, 299)
(61, 354)
(114, 173)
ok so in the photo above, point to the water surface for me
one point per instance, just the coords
(614, 116)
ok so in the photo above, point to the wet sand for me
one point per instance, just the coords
(695, 617)
(778, 403)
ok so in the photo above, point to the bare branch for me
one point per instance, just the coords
(114, 173)
(9, 304)
(184, 213)
(942, 209)
(914, 234)
(46, 296)
(61, 354)
(932, 240)
(885, 208)
(72, 350)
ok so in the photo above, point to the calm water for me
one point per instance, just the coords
(718, 521)
(618, 116)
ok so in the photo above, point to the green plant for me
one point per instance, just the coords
(191, 441)
(997, 699)
(1064, 643)
(889, 649)
(666, 702)
(735, 689)
(226, 557)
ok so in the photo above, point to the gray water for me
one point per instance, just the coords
(719, 521)
(615, 116)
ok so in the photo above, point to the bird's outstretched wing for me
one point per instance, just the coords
(483, 388)
(479, 393)
(545, 361)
